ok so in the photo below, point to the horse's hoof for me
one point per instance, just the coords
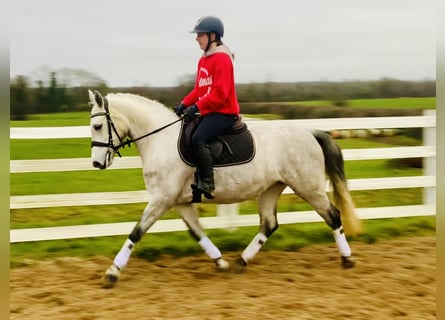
(111, 276)
(109, 281)
(222, 265)
(347, 262)
(239, 265)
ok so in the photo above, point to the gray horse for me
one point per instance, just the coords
(286, 155)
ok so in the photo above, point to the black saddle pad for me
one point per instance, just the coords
(235, 146)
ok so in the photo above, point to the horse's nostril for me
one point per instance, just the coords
(97, 164)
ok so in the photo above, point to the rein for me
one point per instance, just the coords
(111, 126)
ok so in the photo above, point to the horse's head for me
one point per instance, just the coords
(105, 136)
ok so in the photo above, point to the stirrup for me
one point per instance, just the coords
(208, 195)
(202, 187)
(206, 188)
(198, 190)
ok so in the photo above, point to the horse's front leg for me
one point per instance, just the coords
(190, 216)
(152, 212)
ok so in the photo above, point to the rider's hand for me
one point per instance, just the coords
(179, 109)
(191, 113)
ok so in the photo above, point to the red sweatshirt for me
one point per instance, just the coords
(214, 89)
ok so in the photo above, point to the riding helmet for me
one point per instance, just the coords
(209, 24)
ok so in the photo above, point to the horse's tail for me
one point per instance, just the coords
(334, 166)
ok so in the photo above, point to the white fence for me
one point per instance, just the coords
(227, 214)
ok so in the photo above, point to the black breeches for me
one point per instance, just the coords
(211, 126)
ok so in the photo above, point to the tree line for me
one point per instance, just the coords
(57, 94)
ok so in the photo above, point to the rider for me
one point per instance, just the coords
(213, 96)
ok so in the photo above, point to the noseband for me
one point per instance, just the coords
(111, 126)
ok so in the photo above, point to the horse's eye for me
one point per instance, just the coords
(97, 126)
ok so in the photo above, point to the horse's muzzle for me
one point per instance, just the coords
(99, 165)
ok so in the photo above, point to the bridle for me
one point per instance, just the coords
(111, 126)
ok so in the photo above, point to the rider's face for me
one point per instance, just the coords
(202, 39)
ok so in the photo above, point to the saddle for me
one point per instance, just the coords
(235, 146)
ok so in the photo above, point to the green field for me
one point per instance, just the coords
(80, 118)
(397, 103)
(289, 237)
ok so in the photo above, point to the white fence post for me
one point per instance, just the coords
(229, 212)
(429, 163)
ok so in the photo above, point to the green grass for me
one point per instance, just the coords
(406, 103)
(76, 181)
(80, 118)
(397, 103)
(287, 237)
(32, 149)
(378, 142)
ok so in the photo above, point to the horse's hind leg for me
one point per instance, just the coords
(190, 217)
(331, 215)
(267, 206)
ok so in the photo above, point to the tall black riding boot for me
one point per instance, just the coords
(204, 163)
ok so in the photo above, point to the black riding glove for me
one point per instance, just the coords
(179, 109)
(191, 113)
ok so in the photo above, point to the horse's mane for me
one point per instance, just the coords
(158, 113)
(120, 95)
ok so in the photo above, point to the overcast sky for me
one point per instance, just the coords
(147, 42)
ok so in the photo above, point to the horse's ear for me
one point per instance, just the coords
(91, 96)
(98, 98)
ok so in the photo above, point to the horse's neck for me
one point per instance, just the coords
(143, 118)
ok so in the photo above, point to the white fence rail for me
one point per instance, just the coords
(230, 218)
